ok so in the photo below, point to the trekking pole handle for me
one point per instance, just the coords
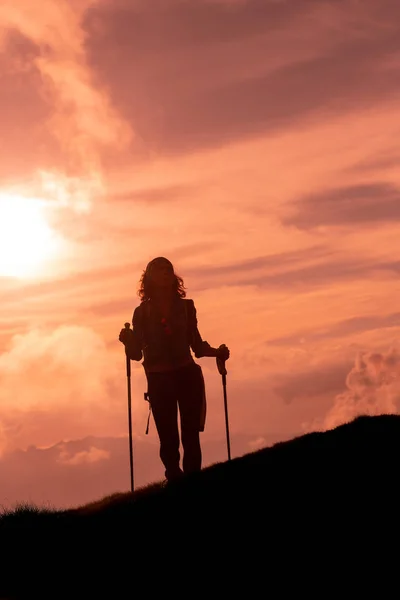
(221, 363)
(128, 362)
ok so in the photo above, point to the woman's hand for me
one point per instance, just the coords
(222, 352)
(125, 336)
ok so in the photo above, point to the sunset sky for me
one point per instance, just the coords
(253, 143)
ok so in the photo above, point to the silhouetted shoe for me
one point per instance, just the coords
(173, 475)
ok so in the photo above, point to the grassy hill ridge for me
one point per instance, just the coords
(234, 524)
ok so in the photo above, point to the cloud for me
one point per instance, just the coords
(61, 355)
(160, 195)
(87, 291)
(323, 379)
(25, 140)
(207, 74)
(56, 384)
(259, 270)
(343, 328)
(3, 438)
(90, 456)
(83, 121)
(257, 443)
(44, 479)
(190, 24)
(385, 160)
(368, 203)
(273, 261)
(290, 274)
(373, 388)
(79, 288)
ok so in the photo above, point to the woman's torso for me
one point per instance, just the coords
(165, 336)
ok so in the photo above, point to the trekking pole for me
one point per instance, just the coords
(223, 372)
(128, 375)
(146, 397)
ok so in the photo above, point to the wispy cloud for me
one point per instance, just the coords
(318, 274)
(325, 378)
(160, 195)
(275, 261)
(365, 203)
(343, 328)
(207, 74)
(386, 160)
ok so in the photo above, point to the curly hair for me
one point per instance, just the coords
(144, 291)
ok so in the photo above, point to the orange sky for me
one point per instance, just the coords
(255, 144)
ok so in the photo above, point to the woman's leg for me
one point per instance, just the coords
(189, 385)
(165, 412)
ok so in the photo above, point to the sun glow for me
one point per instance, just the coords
(27, 242)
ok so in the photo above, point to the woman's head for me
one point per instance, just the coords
(159, 278)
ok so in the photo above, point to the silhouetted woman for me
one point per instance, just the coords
(164, 331)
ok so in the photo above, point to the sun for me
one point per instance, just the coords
(27, 242)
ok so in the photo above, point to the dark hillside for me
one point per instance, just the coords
(271, 518)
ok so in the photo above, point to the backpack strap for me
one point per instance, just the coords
(189, 313)
(144, 316)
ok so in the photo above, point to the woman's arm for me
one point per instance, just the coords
(199, 346)
(134, 342)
